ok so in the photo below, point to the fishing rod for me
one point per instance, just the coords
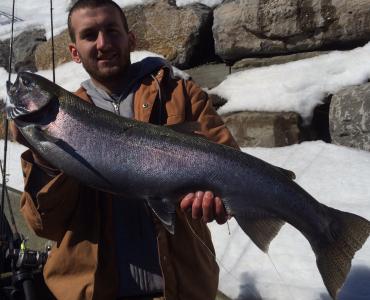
(24, 263)
(6, 137)
(52, 39)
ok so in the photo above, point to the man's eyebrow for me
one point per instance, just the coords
(94, 27)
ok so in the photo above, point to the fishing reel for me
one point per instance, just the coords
(27, 258)
(26, 273)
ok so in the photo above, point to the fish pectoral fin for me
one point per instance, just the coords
(165, 211)
(287, 173)
(261, 231)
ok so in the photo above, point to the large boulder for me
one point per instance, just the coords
(349, 117)
(263, 129)
(265, 27)
(183, 35)
(24, 47)
(43, 53)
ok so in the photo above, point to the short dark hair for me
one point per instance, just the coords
(93, 4)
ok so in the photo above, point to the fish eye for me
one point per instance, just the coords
(26, 82)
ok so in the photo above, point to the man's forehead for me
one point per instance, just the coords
(98, 16)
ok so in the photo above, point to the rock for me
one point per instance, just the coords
(43, 53)
(209, 75)
(4, 54)
(266, 27)
(23, 50)
(349, 117)
(183, 35)
(257, 62)
(263, 129)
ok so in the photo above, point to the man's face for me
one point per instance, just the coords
(102, 44)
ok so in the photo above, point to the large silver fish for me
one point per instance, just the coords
(158, 165)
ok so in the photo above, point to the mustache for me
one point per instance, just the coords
(102, 55)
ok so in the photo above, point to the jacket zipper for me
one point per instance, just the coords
(116, 107)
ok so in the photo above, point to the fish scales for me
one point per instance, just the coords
(158, 165)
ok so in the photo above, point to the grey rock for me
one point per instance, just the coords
(263, 129)
(209, 75)
(24, 47)
(183, 35)
(257, 62)
(4, 54)
(349, 117)
(245, 28)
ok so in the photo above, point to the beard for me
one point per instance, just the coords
(107, 71)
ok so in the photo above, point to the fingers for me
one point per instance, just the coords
(204, 205)
(220, 212)
(187, 202)
(208, 207)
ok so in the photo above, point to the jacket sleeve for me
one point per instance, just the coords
(49, 198)
(212, 126)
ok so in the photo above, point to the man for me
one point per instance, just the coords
(109, 247)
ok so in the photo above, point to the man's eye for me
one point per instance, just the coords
(90, 36)
(114, 31)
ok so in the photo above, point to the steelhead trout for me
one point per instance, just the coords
(159, 165)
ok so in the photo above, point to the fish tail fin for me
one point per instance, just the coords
(333, 259)
(260, 231)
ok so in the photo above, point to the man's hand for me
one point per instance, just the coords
(206, 206)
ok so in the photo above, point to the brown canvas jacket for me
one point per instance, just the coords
(82, 263)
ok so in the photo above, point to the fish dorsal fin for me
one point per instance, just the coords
(287, 173)
(165, 211)
(261, 231)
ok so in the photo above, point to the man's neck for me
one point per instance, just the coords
(113, 86)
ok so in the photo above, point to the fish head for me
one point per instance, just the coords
(29, 94)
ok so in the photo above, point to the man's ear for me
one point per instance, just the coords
(74, 53)
(132, 41)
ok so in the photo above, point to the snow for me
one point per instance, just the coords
(296, 86)
(336, 176)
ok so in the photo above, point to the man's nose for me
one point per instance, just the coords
(102, 41)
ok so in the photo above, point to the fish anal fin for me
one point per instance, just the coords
(165, 211)
(334, 256)
(261, 231)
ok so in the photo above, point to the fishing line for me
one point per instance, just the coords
(228, 272)
(281, 277)
(6, 137)
(52, 39)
